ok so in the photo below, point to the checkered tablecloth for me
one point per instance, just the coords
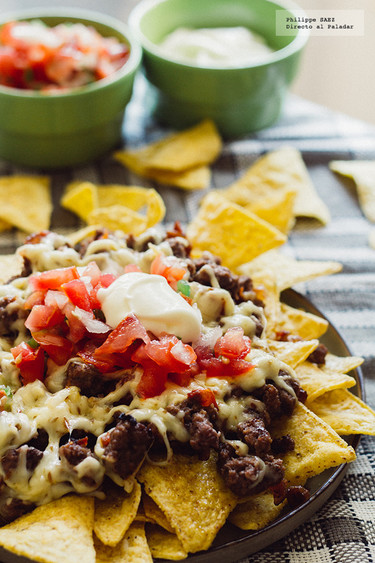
(344, 529)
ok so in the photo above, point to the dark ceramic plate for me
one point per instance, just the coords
(232, 544)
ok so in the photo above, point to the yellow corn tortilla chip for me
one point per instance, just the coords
(196, 146)
(285, 168)
(317, 446)
(26, 202)
(268, 292)
(231, 232)
(287, 270)
(342, 364)
(81, 198)
(133, 548)
(115, 513)
(118, 217)
(164, 545)
(193, 497)
(362, 173)
(345, 413)
(275, 207)
(315, 381)
(256, 512)
(154, 514)
(58, 532)
(299, 322)
(293, 353)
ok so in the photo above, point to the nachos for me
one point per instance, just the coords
(131, 370)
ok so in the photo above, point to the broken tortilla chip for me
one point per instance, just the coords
(301, 323)
(81, 198)
(317, 446)
(164, 545)
(57, 532)
(344, 412)
(26, 202)
(154, 514)
(293, 353)
(196, 512)
(228, 230)
(256, 512)
(362, 172)
(115, 513)
(133, 548)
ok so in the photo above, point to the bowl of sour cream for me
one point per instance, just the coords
(226, 60)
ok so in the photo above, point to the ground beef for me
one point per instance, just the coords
(319, 355)
(13, 508)
(297, 495)
(246, 475)
(282, 445)
(40, 441)
(255, 435)
(7, 319)
(10, 460)
(128, 444)
(75, 451)
(88, 379)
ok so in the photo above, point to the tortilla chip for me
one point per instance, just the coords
(275, 207)
(293, 353)
(81, 198)
(315, 381)
(256, 512)
(196, 146)
(287, 270)
(118, 217)
(26, 202)
(345, 413)
(342, 364)
(296, 321)
(193, 497)
(266, 290)
(231, 232)
(154, 514)
(115, 513)
(164, 545)
(317, 446)
(362, 173)
(58, 532)
(133, 548)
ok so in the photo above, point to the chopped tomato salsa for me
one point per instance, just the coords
(35, 56)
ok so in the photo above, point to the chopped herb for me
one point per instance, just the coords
(183, 287)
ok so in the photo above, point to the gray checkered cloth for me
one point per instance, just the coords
(344, 529)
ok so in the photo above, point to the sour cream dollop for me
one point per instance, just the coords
(157, 306)
(221, 46)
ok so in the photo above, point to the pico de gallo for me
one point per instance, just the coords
(119, 349)
(34, 56)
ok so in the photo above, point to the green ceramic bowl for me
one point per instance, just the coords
(70, 128)
(240, 100)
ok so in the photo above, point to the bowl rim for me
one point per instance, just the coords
(294, 46)
(91, 16)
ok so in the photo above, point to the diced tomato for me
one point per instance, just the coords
(220, 367)
(92, 271)
(170, 353)
(43, 317)
(122, 337)
(58, 348)
(77, 292)
(35, 298)
(30, 362)
(233, 344)
(77, 330)
(205, 397)
(165, 267)
(132, 268)
(53, 279)
(105, 280)
(152, 382)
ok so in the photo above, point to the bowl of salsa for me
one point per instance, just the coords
(66, 77)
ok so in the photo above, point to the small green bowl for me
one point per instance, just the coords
(69, 128)
(241, 99)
